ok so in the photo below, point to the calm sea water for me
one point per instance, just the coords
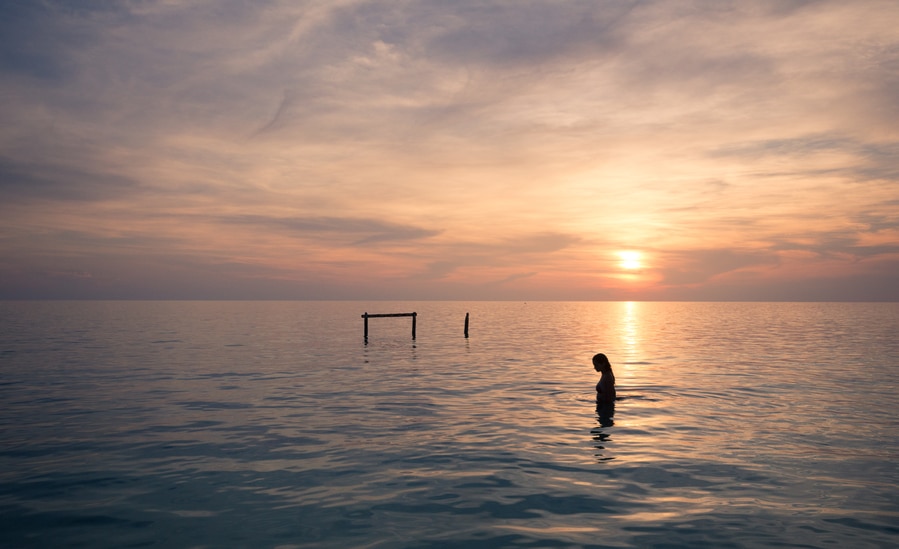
(273, 424)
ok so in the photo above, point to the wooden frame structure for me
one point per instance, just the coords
(366, 316)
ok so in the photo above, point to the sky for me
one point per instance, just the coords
(506, 150)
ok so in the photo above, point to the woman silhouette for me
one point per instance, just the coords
(605, 389)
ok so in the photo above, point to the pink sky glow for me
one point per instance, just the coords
(608, 150)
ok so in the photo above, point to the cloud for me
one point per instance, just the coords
(30, 181)
(513, 277)
(370, 230)
(699, 266)
(512, 253)
(437, 147)
(48, 59)
(523, 34)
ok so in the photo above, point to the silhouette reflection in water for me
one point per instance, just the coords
(604, 412)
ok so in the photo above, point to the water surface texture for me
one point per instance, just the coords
(273, 424)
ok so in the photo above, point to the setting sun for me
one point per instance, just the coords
(630, 260)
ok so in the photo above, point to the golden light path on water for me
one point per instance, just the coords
(630, 330)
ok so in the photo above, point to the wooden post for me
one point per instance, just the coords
(466, 325)
(365, 316)
(414, 316)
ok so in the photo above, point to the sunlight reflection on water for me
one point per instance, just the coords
(273, 424)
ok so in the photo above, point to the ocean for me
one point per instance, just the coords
(277, 425)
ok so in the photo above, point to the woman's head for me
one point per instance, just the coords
(601, 363)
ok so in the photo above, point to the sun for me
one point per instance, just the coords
(630, 260)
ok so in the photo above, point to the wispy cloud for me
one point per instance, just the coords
(444, 149)
(361, 231)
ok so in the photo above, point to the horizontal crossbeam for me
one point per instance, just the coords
(366, 316)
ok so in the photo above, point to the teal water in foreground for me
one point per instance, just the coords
(273, 424)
